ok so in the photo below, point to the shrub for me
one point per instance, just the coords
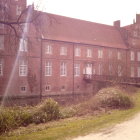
(46, 111)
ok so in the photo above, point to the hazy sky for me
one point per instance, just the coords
(100, 11)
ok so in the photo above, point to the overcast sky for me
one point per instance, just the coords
(100, 11)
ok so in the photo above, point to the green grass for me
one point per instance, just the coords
(72, 127)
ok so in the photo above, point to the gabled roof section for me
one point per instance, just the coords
(79, 31)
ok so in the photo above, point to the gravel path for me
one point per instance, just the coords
(129, 130)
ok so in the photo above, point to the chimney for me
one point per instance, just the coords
(138, 18)
(117, 24)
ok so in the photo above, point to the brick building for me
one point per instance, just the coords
(65, 54)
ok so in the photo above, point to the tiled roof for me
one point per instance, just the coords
(74, 30)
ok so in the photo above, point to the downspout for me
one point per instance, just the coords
(41, 70)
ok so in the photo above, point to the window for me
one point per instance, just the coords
(119, 70)
(132, 56)
(110, 54)
(89, 53)
(100, 53)
(48, 49)
(23, 89)
(138, 56)
(23, 68)
(119, 55)
(132, 71)
(77, 51)
(63, 51)
(1, 67)
(63, 69)
(48, 88)
(63, 88)
(110, 69)
(23, 45)
(48, 69)
(1, 42)
(100, 69)
(138, 70)
(135, 33)
(18, 10)
(77, 69)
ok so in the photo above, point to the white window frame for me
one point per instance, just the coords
(119, 70)
(76, 69)
(89, 52)
(132, 55)
(18, 10)
(138, 56)
(1, 42)
(23, 68)
(77, 51)
(100, 69)
(48, 68)
(48, 49)
(100, 53)
(63, 69)
(23, 45)
(63, 50)
(132, 71)
(119, 55)
(138, 71)
(1, 68)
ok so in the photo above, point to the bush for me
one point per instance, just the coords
(46, 111)
(114, 98)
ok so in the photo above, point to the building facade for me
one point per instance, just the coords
(64, 55)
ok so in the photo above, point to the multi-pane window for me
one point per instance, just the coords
(100, 69)
(100, 53)
(63, 69)
(77, 69)
(110, 54)
(23, 68)
(132, 71)
(48, 49)
(1, 67)
(23, 45)
(48, 88)
(48, 68)
(63, 51)
(119, 70)
(77, 51)
(119, 55)
(138, 56)
(18, 10)
(1, 42)
(89, 53)
(132, 55)
(138, 71)
(23, 88)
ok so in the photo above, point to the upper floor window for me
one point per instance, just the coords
(77, 51)
(138, 56)
(23, 45)
(48, 49)
(23, 68)
(1, 67)
(110, 53)
(100, 53)
(132, 56)
(110, 69)
(77, 69)
(1, 42)
(48, 68)
(132, 71)
(63, 69)
(100, 69)
(89, 53)
(63, 51)
(18, 10)
(119, 70)
(119, 55)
